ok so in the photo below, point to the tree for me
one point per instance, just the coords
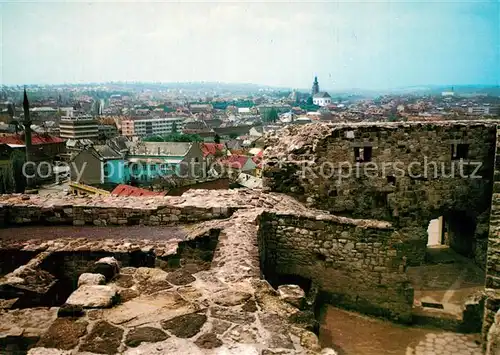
(233, 135)
(271, 115)
(10, 110)
(309, 101)
(174, 128)
(217, 139)
(392, 118)
(175, 137)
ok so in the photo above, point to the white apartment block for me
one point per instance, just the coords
(148, 126)
(83, 127)
(484, 110)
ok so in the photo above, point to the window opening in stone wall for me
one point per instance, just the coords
(320, 257)
(459, 151)
(363, 154)
(333, 193)
(379, 199)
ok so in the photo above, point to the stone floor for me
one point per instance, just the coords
(351, 333)
(224, 309)
(449, 283)
(445, 344)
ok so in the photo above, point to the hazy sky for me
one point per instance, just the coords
(363, 44)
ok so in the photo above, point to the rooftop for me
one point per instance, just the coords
(161, 148)
(127, 190)
(36, 138)
(322, 94)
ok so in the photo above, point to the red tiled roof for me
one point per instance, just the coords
(258, 159)
(35, 139)
(127, 190)
(235, 161)
(211, 148)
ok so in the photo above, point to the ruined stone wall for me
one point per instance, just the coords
(192, 206)
(492, 303)
(108, 215)
(383, 187)
(358, 266)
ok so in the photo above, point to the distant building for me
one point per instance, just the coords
(99, 164)
(213, 151)
(152, 160)
(447, 93)
(244, 110)
(484, 110)
(82, 127)
(43, 113)
(107, 130)
(322, 99)
(238, 164)
(315, 87)
(67, 111)
(151, 126)
(45, 147)
(198, 108)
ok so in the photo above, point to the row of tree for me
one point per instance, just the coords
(174, 137)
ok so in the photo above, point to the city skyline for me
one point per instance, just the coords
(377, 45)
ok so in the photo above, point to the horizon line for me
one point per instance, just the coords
(262, 86)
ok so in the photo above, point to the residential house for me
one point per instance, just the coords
(198, 127)
(120, 144)
(77, 145)
(256, 131)
(44, 147)
(213, 123)
(258, 160)
(151, 160)
(213, 151)
(232, 130)
(237, 164)
(234, 144)
(99, 164)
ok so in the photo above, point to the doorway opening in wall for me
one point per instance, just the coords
(448, 279)
(437, 234)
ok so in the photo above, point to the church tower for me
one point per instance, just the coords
(315, 88)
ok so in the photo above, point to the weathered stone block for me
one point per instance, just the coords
(91, 279)
(108, 266)
(93, 296)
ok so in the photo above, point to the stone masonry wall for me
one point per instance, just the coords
(318, 162)
(357, 265)
(192, 206)
(492, 303)
(102, 216)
